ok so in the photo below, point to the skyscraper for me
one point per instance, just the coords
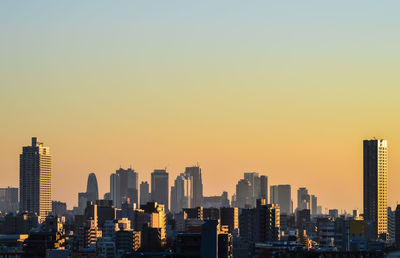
(303, 199)
(273, 194)
(255, 185)
(35, 179)
(114, 190)
(144, 193)
(124, 187)
(285, 199)
(313, 204)
(195, 173)
(375, 185)
(181, 193)
(282, 195)
(160, 187)
(264, 187)
(92, 190)
(243, 194)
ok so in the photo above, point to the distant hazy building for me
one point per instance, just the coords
(82, 201)
(216, 201)
(282, 195)
(115, 191)
(160, 187)
(285, 199)
(181, 193)
(314, 205)
(144, 193)
(303, 199)
(375, 185)
(255, 185)
(273, 194)
(91, 194)
(333, 213)
(9, 199)
(195, 173)
(243, 194)
(35, 179)
(92, 190)
(319, 209)
(264, 187)
(59, 209)
(124, 187)
(107, 196)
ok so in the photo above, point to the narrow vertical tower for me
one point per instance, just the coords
(160, 187)
(375, 185)
(35, 179)
(195, 173)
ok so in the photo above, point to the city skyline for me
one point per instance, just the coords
(288, 90)
(248, 175)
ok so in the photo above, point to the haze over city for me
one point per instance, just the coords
(286, 90)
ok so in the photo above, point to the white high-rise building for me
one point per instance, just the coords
(35, 179)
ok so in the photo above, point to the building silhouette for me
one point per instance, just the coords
(181, 193)
(9, 199)
(35, 179)
(91, 194)
(303, 199)
(264, 187)
(144, 193)
(195, 173)
(375, 186)
(124, 187)
(243, 194)
(282, 195)
(314, 204)
(160, 187)
(92, 190)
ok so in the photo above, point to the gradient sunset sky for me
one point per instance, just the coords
(287, 88)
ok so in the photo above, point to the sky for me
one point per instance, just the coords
(288, 89)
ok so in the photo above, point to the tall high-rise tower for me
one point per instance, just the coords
(35, 179)
(303, 199)
(375, 185)
(124, 187)
(160, 187)
(282, 195)
(144, 193)
(181, 193)
(195, 173)
(92, 190)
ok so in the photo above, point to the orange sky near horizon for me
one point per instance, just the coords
(288, 90)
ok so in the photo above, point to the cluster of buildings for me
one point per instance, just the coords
(156, 220)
